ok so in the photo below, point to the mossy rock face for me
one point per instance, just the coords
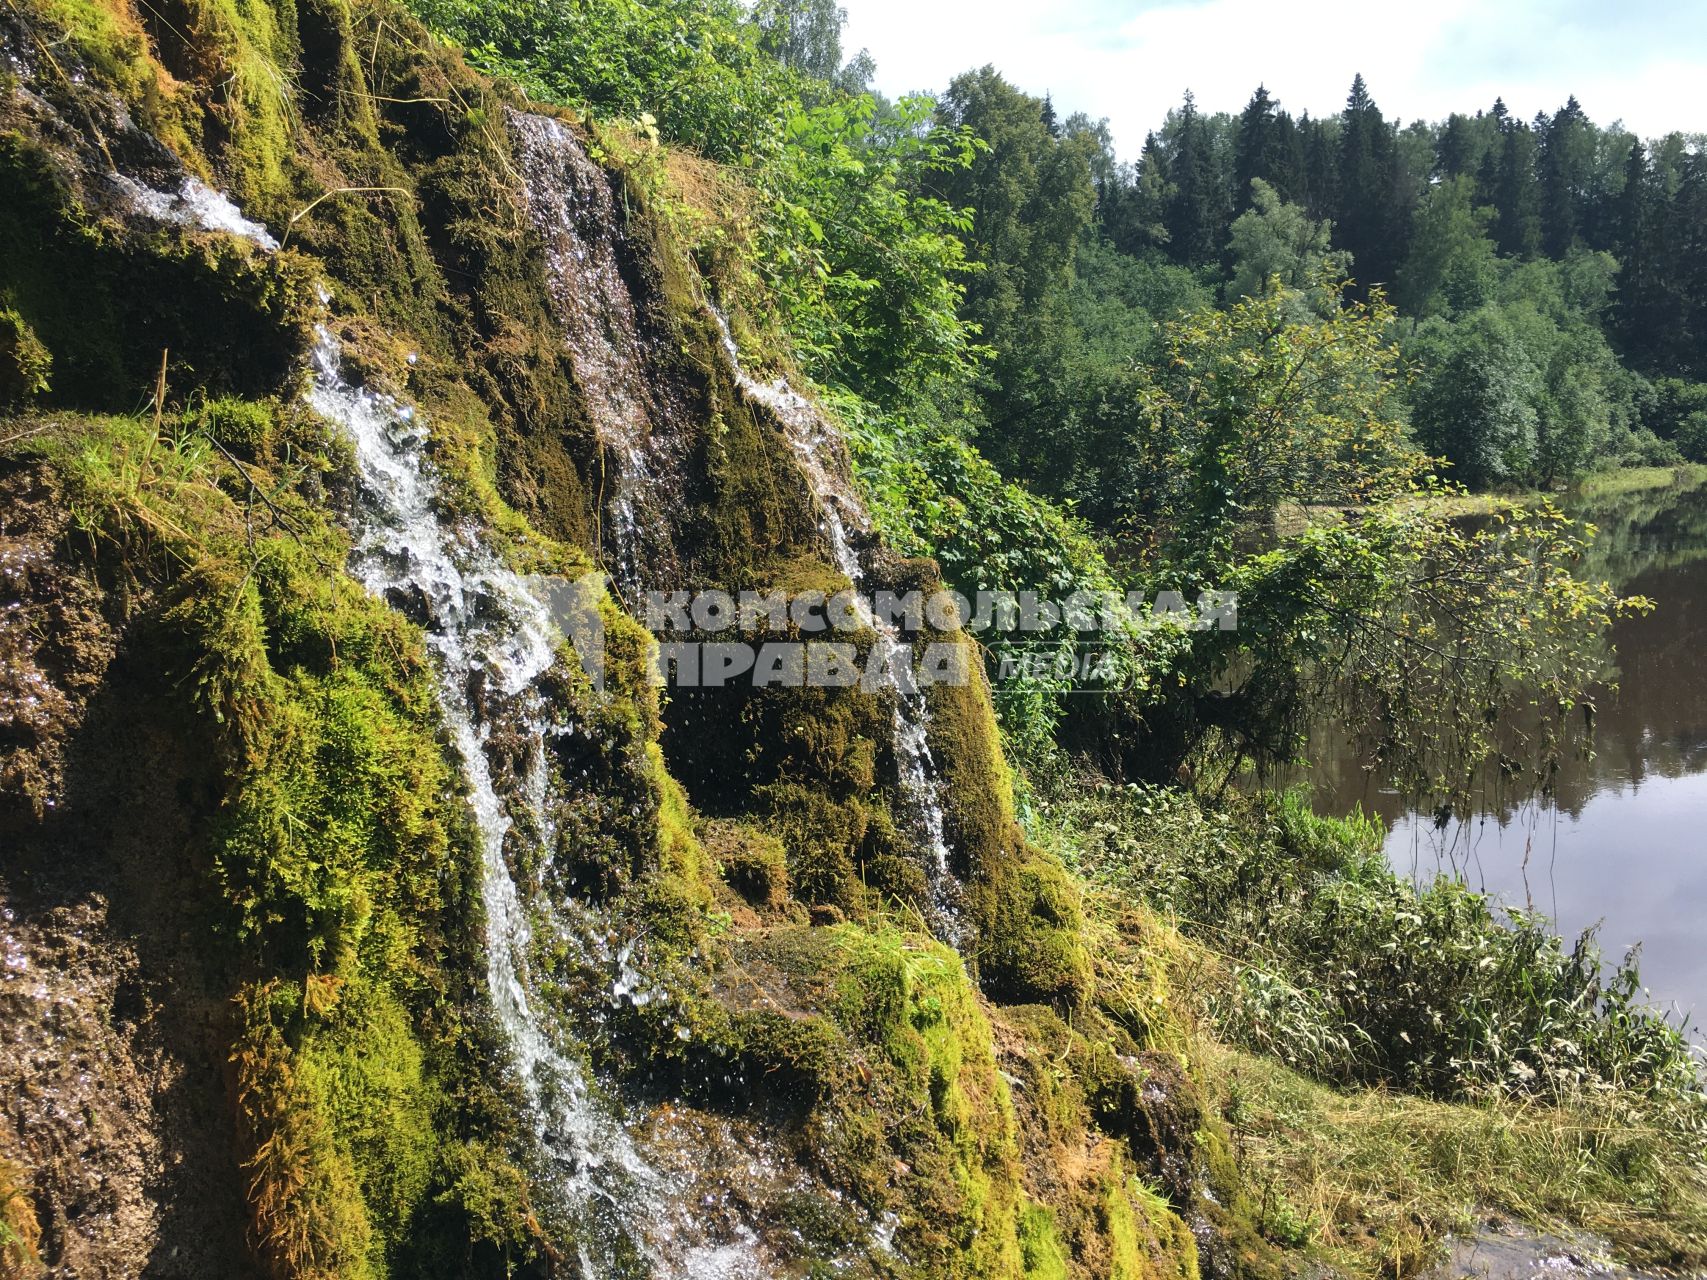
(1033, 947)
(1108, 1213)
(874, 1048)
(1030, 924)
(1181, 1150)
(321, 835)
(754, 862)
(229, 318)
(813, 761)
(55, 644)
(1151, 1103)
(106, 289)
(370, 1120)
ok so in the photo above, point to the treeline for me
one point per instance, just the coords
(1551, 276)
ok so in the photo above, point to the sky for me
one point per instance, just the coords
(1129, 60)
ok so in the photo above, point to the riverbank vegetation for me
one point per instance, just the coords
(1393, 1062)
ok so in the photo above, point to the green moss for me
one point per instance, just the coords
(754, 862)
(1121, 1227)
(910, 1000)
(1040, 1249)
(233, 319)
(491, 1195)
(679, 851)
(1030, 946)
(308, 1218)
(1154, 1241)
(1033, 946)
(823, 838)
(26, 365)
(244, 426)
(111, 39)
(218, 91)
(363, 1069)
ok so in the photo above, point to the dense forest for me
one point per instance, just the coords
(1548, 276)
(358, 922)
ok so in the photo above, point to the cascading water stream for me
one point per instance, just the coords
(493, 636)
(813, 438)
(569, 201)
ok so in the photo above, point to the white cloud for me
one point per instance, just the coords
(1131, 62)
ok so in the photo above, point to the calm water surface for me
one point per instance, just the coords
(1624, 843)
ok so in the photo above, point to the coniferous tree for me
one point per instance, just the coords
(1609, 158)
(1261, 149)
(1194, 211)
(1488, 167)
(1516, 201)
(1635, 314)
(1458, 152)
(1289, 161)
(1321, 167)
(1366, 186)
(1143, 228)
(1032, 199)
(1679, 278)
(1566, 154)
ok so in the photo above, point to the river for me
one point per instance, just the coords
(1623, 843)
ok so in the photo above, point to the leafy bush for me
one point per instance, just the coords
(696, 66)
(1692, 436)
(932, 494)
(1339, 967)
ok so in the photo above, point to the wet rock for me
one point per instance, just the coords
(91, 1106)
(54, 645)
(1503, 1250)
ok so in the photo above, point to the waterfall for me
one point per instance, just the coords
(569, 202)
(492, 636)
(813, 438)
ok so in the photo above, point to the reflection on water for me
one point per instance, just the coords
(1624, 842)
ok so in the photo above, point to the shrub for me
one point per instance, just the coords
(1337, 966)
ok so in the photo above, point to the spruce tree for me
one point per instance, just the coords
(1457, 152)
(1194, 208)
(1366, 219)
(1321, 168)
(1566, 154)
(1260, 150)
(1517, 226)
